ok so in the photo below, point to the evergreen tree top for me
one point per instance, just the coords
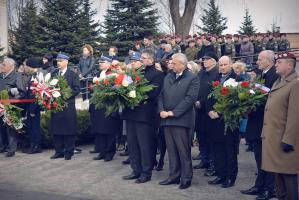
(247, 27)
(212, 20)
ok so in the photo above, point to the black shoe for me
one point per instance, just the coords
(107, 159)
(68, 158)
(251, 191)
(196, 157)
(93, 151)
(265, 195)
(185, 185)
(228, 183)
(210, 173)
(77, 151)
(10, 154)
(216, 181)
(126, 162)
(131, 176)
(125, 153)
(143, 179)
(99, 157)
(169, 182)
(160, 166)
(2, 150)
(201, 165)
(55, 156)
(34, 150)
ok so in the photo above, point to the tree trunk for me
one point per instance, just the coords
(183, 23)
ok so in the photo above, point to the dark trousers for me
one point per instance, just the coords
(11, 138)
(286, 186)
(106, 144)
(226, 160)
(179, 153)
(34, 130)
(204, 147)
(264, 179)
(141, 142)
(64, 144)
(3, 137)
(161, 145)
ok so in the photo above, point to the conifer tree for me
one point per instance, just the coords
(26, 35)
(127, 21)
(212, 20)
(247, 27)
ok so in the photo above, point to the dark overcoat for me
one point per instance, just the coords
(65, 121)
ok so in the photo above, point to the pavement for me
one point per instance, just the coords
(36, 177)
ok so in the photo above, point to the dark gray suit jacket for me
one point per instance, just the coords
(179, 95)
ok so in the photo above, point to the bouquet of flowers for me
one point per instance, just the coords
(11, 114)
(234, 100)
(51, 93)
(123, 87)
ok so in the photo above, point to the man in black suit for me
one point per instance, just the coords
(208, 74)
(63, 123)
(180, 90)
(140, 123)
(225, 144)
(264, 183)
(12, 82)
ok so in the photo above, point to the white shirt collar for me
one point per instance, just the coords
(63, 71)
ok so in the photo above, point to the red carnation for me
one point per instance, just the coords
(137, 79)
(106, 82)
(49, 107)
(245, 84)
(55, 104)
(44, 103)
(224, 91)
(119, 79)
(216, 83)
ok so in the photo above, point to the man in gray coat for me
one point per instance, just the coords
(176, 102)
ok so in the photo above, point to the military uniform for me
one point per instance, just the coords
(283, 45)
(272, 45)
(191, 53)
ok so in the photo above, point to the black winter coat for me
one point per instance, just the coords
(256, 118)
(65, 122)
(147, 112)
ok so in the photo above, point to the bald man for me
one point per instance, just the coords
(225, 145)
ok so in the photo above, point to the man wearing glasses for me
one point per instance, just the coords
(140, 124)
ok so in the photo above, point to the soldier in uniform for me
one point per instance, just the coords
(63, 123)
(191, 51)
(237, 44)
(272, 44)
(229, 48)
(258, 46)
(283, 44)
(220, 46)
(175, 47)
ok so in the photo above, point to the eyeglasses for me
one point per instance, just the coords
(144, 58)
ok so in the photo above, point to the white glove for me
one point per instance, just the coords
(14, 91)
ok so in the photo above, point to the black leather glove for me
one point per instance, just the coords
(287, 147)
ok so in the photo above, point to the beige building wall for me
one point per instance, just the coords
(3, 26)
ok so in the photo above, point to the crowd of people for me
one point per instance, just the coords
(177, 110)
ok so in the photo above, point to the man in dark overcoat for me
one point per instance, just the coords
(179, 93)
(13, 83)
(63, 124)
(140, 124)
(225, 144)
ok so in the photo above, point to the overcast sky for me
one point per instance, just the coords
(263, 12)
